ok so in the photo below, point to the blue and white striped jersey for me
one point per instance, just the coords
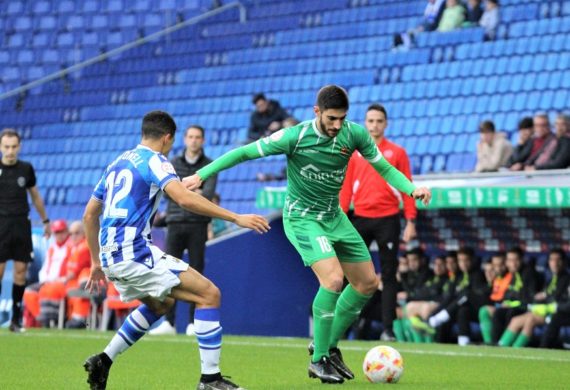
(130, 191)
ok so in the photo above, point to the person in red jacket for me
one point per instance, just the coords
(377, 209)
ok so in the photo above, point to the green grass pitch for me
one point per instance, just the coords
(44, 359)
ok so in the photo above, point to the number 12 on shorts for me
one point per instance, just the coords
(324, 244)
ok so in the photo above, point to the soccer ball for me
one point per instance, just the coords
(383, 364)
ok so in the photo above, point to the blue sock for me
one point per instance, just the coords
(209, 333)
(134, 327)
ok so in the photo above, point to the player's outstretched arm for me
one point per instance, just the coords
(228, 160)
(400, 181)
(196, 203)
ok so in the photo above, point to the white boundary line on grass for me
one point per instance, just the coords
(265, 344)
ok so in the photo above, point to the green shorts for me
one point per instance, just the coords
(318, 240)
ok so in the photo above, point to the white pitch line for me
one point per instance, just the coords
(265, 344)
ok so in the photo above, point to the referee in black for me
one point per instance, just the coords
(17, 177)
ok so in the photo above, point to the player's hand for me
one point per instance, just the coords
(253, 222)
(423, 194)
(96, 280)
(47, 230)
(192, 182)
(409, 232)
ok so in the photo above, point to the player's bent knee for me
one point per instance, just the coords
(212, 296)
(334, 283)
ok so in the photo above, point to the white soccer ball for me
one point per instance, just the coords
(383, 364)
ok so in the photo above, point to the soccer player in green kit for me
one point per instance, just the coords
(317, 152)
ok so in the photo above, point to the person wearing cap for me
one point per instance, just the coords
(17, 180)
(493, 151)
(53, 270)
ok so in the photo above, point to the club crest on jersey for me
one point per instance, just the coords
(22, 181)
(344, 151)
(168, 168)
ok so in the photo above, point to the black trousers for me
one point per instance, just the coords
(501, 319)
(191, 237)
(386, 232)
(550, 337)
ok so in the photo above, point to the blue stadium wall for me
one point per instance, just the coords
(266, 290)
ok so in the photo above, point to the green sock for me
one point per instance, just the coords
(407, 326)
(486, 324)
(416, 336)
(521, 341)
(323, 315)
(399, 330)
(428, 339)
(507, 338)
(348, 308)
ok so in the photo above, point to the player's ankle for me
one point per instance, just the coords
(206, 378)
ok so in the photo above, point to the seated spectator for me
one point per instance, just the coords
(432, 16)
(490, 19)
(521, 151)
(53, 269)
(267, 118)
(499, 280)
(543, 143)
(493, 151)
(453, 16)
(521, 328)
(560, 157)
(474, 11)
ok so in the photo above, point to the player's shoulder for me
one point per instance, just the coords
(355, 128)
(24, 165)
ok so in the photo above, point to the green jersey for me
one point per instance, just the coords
(316, 165)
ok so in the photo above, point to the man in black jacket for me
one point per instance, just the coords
(522, 150)
(186, 230)
(267, 118)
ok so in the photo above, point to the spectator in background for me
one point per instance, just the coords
(521, 151)
(187, 230)
(543, 143)
(499, 280)
(474, 11)
(432, 16)
(17, 179)
(490, 19)
(453, 16)
(377, 208)
(560, 157)
(53, 270)
(267, 118)
(493, 151)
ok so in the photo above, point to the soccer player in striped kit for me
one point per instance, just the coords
(127, 197)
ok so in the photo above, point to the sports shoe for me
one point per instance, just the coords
(98, 372)
(163, 328)
(422, 326)
(336, 360)
(190, 330)
(219, 384)
(388, 335)
(325, 371)
(15, 328)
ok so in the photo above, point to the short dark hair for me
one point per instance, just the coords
(198, 127)
(487, 127)
(10, 133)
(157, 124)
(378, 107)
(526, 123)
(467, 251)
(518, 251)
(560, 253)
(257, 97)
(332, 97)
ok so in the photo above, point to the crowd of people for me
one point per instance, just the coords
(537, 147)
(449, 15)
(500, 300)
